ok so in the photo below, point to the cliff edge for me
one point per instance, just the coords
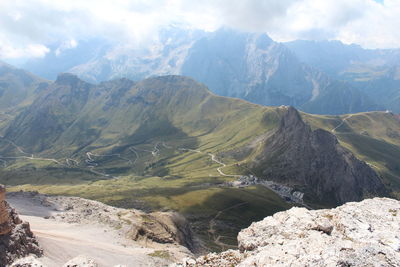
(363, 233)
(16, 238)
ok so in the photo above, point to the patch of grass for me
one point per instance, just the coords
(164, 254)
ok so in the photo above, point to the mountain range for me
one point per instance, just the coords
(375, 72)
(167, 142)
(249, 66)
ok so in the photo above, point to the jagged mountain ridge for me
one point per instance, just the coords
(255, 68)
(250, 66)
(314, 160)
(373, 71)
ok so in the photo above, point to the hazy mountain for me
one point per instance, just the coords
(18, 88)
(62, 58)
(163, 55)
(255, 68)
(374, 72)
(245, 65)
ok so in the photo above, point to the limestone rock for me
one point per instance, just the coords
(355, 234)
(30, 261)
(81, 261)
(16, 238)
(164, 227)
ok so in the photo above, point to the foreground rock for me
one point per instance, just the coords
(158, 227)
(16, 238)
(85, 230)
(355, 234)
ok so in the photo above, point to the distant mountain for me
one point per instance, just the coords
(376, 72)
(17, 86)
(162, 56)
(249, 66)
(18, 89)
(255, 68)
(61, 59)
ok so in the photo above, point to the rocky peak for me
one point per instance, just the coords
(71, 80)
(16, 238)
(66, 77)
(356, 234)
(314, 161)
(291, 118)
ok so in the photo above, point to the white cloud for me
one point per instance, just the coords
(27, 51)
(38, 23)
(365, 22)
(70, 44)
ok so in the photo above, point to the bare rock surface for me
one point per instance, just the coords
(363, 233)
(81, 261)
(16, 238)
(29, 261)
(315, 161)
(68, 227)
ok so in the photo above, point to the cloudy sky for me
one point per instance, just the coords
(28, 27)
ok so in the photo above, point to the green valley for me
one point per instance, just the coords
(167, 143)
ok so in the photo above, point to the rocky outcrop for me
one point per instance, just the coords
(158, 227)
(164, 227)
(81, 261)
(5, 219)
(16, 238)
(356, 234)
(314, 161)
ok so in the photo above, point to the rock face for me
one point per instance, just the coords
(356, 234)
(16, 238)
(255, 68)
(314, 160)
(5, 220)
(164, 227)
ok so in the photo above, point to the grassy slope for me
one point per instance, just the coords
(17, 90)
(187, 116)
(372, 136)
(174, 179)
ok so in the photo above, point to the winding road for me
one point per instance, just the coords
(343, 120)
(211, 227)
(214, 159)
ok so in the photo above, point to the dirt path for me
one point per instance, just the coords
(62, 241)
(212, 223)
(214, 159)
(343, 121)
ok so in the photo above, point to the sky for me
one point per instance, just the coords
(29, 27)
